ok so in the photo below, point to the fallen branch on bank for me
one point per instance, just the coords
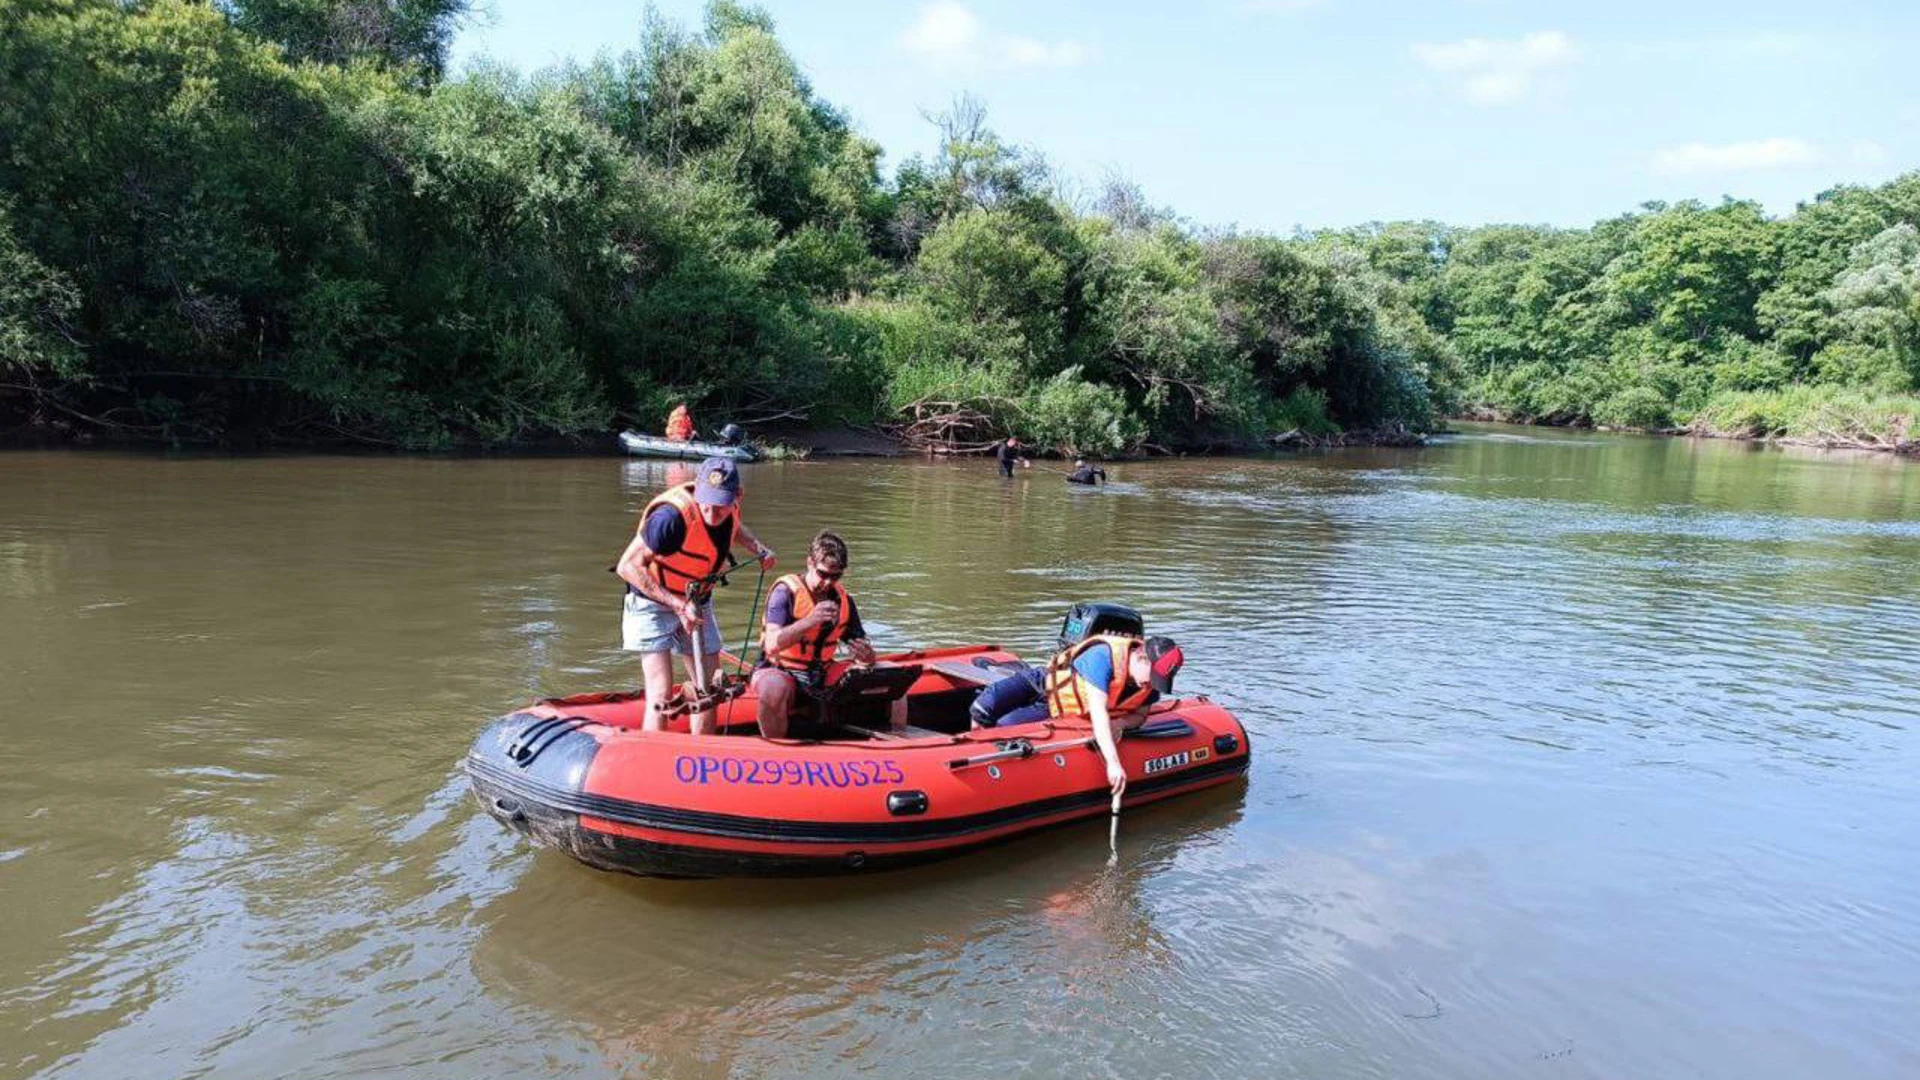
(945, 427)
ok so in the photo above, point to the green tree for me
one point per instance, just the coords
(1875, 307)
(410, 34)
(992, 270)
(1693, 271)
(36, 308)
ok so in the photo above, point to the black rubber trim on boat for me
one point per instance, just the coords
(541, 734)
(740, 827)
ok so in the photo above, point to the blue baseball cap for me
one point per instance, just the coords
(718, 483)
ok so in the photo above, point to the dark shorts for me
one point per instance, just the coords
(803, 716)
(812, 682)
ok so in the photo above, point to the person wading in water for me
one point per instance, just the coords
(1008, 453)
(1084, 473)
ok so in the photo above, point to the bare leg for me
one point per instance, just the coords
(657, 669)
(774, 691)
(897, 714)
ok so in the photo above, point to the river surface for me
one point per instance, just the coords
(1574, 756)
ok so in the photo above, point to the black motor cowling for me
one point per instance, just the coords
(1088, 618)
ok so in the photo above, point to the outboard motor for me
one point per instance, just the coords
(731, 435)
(1088, 618)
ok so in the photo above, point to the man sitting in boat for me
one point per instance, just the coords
(684, 538)
(680, 424)
(808, 616)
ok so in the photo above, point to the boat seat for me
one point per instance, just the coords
(973, 674)
(908, 732)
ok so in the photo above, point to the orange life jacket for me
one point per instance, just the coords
(816, 648)
(679, 424)
(698, 556)
(1067, 691)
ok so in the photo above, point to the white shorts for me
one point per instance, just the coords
(647, 627)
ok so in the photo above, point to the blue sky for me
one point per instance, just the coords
(1270, 114)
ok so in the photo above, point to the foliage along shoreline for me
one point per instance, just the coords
(266, 223)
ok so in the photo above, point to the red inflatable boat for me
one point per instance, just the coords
(577, 774)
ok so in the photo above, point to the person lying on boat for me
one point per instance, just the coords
(685, 536)
(1111, 679)
(808, 617)
(1084, 473)
(680, 424)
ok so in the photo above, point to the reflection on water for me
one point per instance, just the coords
(1558, 738)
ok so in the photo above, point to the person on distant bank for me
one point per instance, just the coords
(685, 536)
(680, 424)
(1008, 454)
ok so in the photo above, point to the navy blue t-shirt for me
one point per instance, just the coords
(780, 612)
(666, 533)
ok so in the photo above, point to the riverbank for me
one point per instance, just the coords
(1815, 417)
(778, 441)
(1825, 417)
(835, 442)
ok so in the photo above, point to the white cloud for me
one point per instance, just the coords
(1026, 52)
(949, 35)
(1494, 71)
(1868, 152)
(1734, 157)
(945, 33)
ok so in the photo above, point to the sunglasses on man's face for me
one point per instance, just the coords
(827, 575)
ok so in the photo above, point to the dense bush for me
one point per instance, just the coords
(1079, 417)
(1815, 413)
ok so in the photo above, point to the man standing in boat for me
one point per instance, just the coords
(684, 538)
(808, 616)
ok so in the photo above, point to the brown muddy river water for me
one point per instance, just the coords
(1574, 756)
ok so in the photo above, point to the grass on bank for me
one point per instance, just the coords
(1818, 414)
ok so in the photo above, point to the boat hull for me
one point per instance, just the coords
(655, 446)
(574, 775)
